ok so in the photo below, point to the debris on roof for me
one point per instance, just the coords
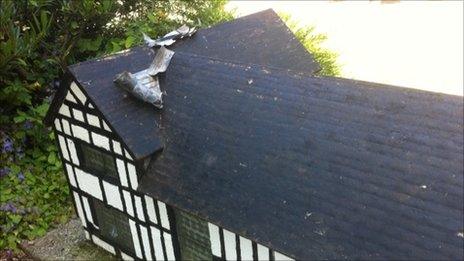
(144, 84)
(171, 37)
(161, 61)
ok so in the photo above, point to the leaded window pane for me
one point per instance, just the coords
(98, 161)
(114, 226)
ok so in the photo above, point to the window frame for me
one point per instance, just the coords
(84, 164)
(117, 244)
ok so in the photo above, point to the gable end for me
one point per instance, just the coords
(72, 95)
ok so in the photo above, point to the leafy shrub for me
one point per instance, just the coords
(33, 189)
(312, 41)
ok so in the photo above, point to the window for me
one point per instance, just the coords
(114, 226)
(98, 161)
(193, 236)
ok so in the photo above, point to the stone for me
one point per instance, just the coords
(65, 242)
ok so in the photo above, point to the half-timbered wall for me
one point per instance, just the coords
(226, 245)
(151, 222)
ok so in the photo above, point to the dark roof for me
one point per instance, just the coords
(260, 38)
(316, 168)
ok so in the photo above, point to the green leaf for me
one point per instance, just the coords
(42, 109)
(51, 158)
(15, 218)
(129, 41)
(38, 232)
(74, 25)
(19, 118)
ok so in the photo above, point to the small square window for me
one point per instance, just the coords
(114, 226)
(98, 161)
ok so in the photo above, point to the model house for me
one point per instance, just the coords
(254, 158)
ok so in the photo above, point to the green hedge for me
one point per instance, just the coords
(38, 39)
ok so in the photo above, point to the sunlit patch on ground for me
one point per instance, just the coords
(411, 44)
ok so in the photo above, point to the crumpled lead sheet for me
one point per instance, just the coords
(144, 84)
(171, 37)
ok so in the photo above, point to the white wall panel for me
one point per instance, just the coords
(145, 242)
(78, 115)
(58, 124)
(87, 211)
(246, 249)
(135, 239)
(70, 97)
(79, 94)
(112, 195)
(132, 176)
(117, 147)
(106, 127)
(80, 211)
(157, 246)
(126, 257)
(64, 110)
(281, 257)
(93, 120)
(229, 244)
(151, 209)
(101, 141)
(70, 171)
(88, 183)
(103, 244)
(139, 208)
(122, 172)
(215, 240)
(72, 151)
(169, 248)
(66, 127)
(63, 147)
(163, 215)
(263, 252)
(80, 133)
(128, 201)
(128, 154)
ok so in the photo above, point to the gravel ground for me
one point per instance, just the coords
(66, 242)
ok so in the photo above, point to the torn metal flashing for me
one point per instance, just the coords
(161, 62)
(171, 37)
(144, 84)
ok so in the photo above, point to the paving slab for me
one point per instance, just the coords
(65, 242)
